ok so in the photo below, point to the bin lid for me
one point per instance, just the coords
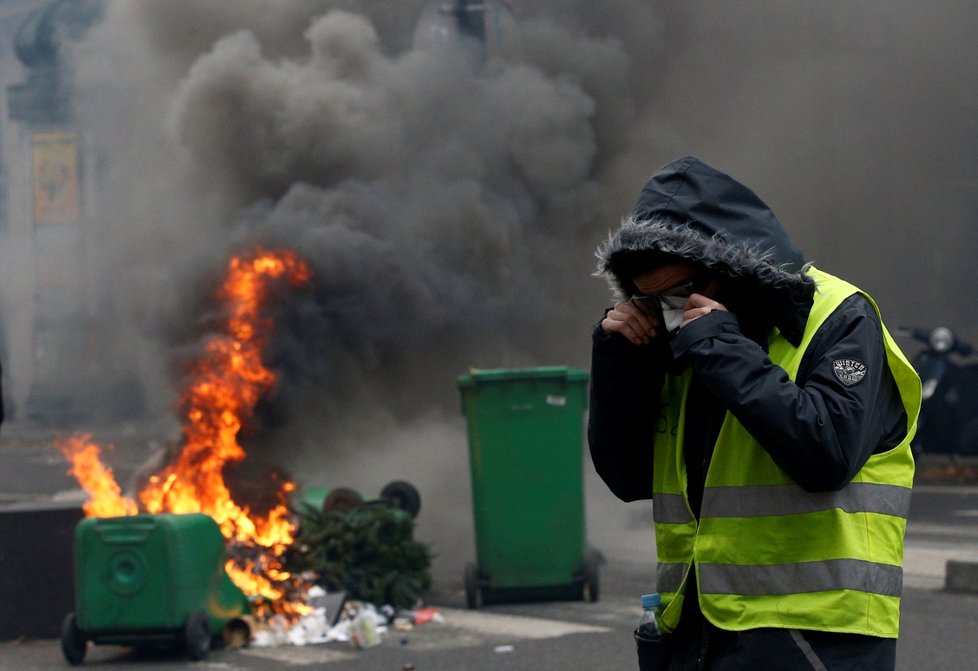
(560, 373)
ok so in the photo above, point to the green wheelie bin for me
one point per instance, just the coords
(146, 579)
(525, 436)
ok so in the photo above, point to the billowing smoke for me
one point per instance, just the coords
(441, 201)
(446, 193)
(449, 200)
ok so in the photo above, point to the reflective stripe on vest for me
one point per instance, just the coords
(815, 576)
(669, 577)
(764, 500)
(767, 552)
(670, 509)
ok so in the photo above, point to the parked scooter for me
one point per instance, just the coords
(948, 421)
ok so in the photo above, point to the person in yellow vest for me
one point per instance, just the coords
(764, 408)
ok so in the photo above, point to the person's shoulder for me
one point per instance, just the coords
(857, 305)
(853, 314)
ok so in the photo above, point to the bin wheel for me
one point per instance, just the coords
(197, 635)
(473, 597)
(342, 498)
(402, 495)
(73, 643)
(592, 583)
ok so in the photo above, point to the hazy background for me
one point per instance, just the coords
(449, 202)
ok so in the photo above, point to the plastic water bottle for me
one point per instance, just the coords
(648, 625)
(651, 641)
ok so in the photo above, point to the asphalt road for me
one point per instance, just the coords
(937, 626)
(937, 635)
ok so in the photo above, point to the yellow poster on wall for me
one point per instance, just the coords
(55, 177)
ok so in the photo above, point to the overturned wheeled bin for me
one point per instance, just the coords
(149, 579)
(400, 495)
(525, 435)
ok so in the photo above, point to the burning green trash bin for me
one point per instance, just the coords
(525, 435)
(144, 579)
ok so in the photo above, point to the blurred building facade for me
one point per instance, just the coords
(48, 218)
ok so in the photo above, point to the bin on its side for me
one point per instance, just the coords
(146, 578)
(401, 496)
(525, 435)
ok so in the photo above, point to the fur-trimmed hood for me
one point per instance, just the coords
(693, 211)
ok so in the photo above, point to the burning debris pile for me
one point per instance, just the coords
(226, 383)
(367, 551)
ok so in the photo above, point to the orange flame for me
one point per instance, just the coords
(106, 499)
(226, 383)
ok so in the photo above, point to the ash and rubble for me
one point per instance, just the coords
(336, 620)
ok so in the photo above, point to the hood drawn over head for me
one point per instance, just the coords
(693, 211)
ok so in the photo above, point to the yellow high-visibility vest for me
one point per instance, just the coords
(767, 552)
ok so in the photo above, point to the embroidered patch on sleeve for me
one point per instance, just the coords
(849, 371)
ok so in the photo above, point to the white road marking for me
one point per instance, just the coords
(951, 530)
(514, 626)
(946, 489)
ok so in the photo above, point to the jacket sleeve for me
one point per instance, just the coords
(625, 384)
(820, 430)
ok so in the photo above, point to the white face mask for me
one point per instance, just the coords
(672, 317)
(671, 305)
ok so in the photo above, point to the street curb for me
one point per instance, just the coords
(961, 575)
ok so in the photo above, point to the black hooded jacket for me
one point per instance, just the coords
(816, 428)
(820, 431)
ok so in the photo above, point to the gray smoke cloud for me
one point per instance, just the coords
(449, 205)
(446, 199)
(434, 199)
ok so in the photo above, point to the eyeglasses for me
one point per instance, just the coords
(674, 297)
